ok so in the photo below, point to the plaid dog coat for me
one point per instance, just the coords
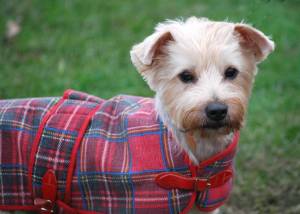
(83, 154)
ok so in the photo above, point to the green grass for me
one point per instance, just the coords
(85, 45)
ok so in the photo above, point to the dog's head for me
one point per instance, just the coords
(202, 71)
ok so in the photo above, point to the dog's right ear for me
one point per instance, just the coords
(144, 54)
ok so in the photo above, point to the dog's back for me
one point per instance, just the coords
(113, 150)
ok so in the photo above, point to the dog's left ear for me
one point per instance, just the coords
(254, 40)
(144, 53)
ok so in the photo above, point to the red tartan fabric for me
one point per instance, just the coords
(113, 163)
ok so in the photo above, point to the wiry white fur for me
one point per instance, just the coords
(207, 48)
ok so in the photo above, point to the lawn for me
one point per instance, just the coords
(85, 45)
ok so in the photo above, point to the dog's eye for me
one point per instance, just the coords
(187, 77)
(231, 73)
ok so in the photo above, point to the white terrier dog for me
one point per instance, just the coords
(202, 72)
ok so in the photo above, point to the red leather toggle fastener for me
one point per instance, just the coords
(170, 180)
(49, 188)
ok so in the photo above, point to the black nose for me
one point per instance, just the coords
(216, 111)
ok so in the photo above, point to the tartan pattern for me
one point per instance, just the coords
(19, 121)
(58, 138)
(123, 149)
(215, 197)
(130, 147)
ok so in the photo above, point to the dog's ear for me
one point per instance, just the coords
(254, 40)
(144, 53)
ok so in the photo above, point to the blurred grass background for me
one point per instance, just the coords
(85, 45)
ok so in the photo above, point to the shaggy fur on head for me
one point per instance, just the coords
(205, 49)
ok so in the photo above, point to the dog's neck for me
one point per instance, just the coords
(204, 148)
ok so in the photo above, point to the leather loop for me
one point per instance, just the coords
(170, 180)
(49, 185)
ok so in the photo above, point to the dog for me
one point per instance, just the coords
(170, 154)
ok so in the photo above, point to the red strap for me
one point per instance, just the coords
(81, 133)
(49, 191)
(37, 141)
(169, 180)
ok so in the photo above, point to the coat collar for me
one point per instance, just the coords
(211, 175)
